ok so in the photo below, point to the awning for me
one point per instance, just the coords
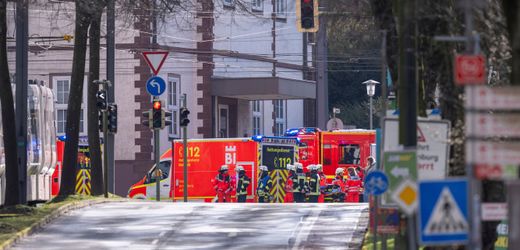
(263, 88)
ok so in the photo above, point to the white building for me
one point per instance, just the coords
(220, 55)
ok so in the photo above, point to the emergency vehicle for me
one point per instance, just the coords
(348, 149)
(205, 156)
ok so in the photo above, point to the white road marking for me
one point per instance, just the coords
(306, 227)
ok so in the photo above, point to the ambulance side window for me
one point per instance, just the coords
(164, 166)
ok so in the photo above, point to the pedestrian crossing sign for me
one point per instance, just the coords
(443, 212)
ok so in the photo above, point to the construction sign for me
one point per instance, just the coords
(83, 178)
(276, 153)
(443, 212)
(432, 146)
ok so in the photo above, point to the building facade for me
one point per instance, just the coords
(243, 68)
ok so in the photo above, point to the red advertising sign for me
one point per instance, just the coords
(470, 69)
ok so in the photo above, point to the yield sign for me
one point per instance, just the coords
(155, 60)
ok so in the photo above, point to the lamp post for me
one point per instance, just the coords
(371, 90)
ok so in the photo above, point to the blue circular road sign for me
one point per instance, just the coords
(376, 182)
(155, 86)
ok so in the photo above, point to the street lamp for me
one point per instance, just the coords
(371, 90)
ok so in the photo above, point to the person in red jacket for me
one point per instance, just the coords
(339, 185)
(289, 197)
(223, 185)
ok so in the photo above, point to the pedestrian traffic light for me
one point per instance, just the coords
(164, 121)
(112, 118)
(184, 121)
(101, 99)
(307, 15)
(157, 114)
(148, 122)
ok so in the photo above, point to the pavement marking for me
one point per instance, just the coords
(306, 227)
(162, 234)
(154, 242)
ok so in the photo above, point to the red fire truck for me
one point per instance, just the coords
(205, 156)
(347, 149)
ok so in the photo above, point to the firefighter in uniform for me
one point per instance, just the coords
(314, 184)
(264, 185)
(289, 197)
(223, 185)
(299, 183)
(242, 184)
(339, 185)
(323, 182)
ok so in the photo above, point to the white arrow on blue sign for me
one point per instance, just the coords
(376, 182)
(155, 86)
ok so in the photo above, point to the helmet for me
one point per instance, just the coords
(263, 168)
(239, 168)
(298, 165)
(291, 167)
(311, 167)
(224, 168)
(319, 167)
(339, 171)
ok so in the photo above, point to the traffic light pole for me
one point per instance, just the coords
(158, 175)
(104, 85)
(185, 151)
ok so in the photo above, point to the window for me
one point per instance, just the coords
(349, 154)
(61, 89)
(280, 8)
(257, 5)
(174, 105)
(279, 121)
(257, 118)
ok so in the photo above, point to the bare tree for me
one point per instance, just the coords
(9, 128)
(511, 10)
(93, 129)
(82, 22)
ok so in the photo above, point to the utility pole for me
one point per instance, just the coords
(109, 140)
(273, 34)
(408, 92)
(22, 63)
(322, 83)
(185, 151)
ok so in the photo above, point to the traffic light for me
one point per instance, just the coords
(101, 99)
(184, 121)
(149, 121)
(112, 118)
(164, 121)
(307, 14)
(157, 114)
(100, 119)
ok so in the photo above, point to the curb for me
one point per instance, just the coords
(358, 238)
(50, 217)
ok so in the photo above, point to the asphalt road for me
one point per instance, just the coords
(152, 225)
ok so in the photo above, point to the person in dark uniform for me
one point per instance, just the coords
(242, 184)
(299, 183)
(314, 184)
(264, 185)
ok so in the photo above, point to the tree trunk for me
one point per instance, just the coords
(93, 121)
(75, 97)
(511, 10)
(8, 117)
